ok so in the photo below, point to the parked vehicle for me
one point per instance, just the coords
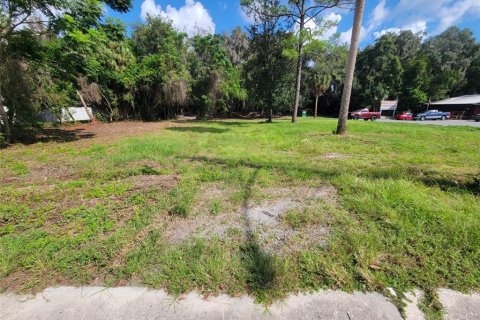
(476, 117)
(364, 114)
(432, 115)
(404, 116)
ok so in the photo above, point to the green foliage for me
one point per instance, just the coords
(327, 72)
(473, 76)
(379, 71)
(158, 72)
(3, 142)
(431, 306)
(40, 63)
(449, 55)
(297, 219)
(19, 168)
(402, 66)
(216, 207)
(160, 77)
(269, 74)
(236, 45)
(216, 83)
(416, 83)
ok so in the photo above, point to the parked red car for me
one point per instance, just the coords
(364, 114)
(404, 116)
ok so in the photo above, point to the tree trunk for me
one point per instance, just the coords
(316, 107)
(109, 106)
(299, 65)
(352, 58)
(4, 118)
(90, 115)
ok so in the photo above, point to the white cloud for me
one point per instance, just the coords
(248, 19)
(328, 23)
(452, 14)
(193, 18)
(433, 16)
(335, 19)
(440, 14)
(416, 27)
(379, 14)
(149, 8)
(346, 37)
(377, 17)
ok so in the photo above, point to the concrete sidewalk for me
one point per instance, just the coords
(141, 303)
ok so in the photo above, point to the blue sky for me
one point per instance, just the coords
(217, 16)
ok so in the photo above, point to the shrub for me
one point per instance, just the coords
(3, 142)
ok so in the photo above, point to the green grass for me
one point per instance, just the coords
(407, 213)
(19, 168)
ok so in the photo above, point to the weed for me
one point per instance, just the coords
(431, 306)
(180, 210)
(107, 190)
(147, 170)
(216, 207)
(297, 219)
(19, 168)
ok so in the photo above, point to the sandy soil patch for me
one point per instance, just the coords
(258, 220)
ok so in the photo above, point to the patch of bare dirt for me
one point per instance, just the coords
(335, 156)
(144, 182)
(258, 220)
(202, 220)
(42, 174)
(84, 134)
(20, 282)
(108, 132)
(14, 281)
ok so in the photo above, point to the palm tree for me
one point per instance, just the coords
(321, 83)
(352, 58)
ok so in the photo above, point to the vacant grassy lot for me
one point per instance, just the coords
(241, 206)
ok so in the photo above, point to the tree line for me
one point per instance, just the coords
(416, 69)
(53, 54)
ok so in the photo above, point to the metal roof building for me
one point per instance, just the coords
(460, 107)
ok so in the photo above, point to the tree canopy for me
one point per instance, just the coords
(55, 52)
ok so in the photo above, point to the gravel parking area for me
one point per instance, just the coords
(468, 123)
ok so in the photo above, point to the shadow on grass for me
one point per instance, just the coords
(232, 123)
(225, 123)
(198, 129)
(53, 135)
(471, 185)
(259, 264)
(249, 164)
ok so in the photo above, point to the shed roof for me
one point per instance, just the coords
(469, 99)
